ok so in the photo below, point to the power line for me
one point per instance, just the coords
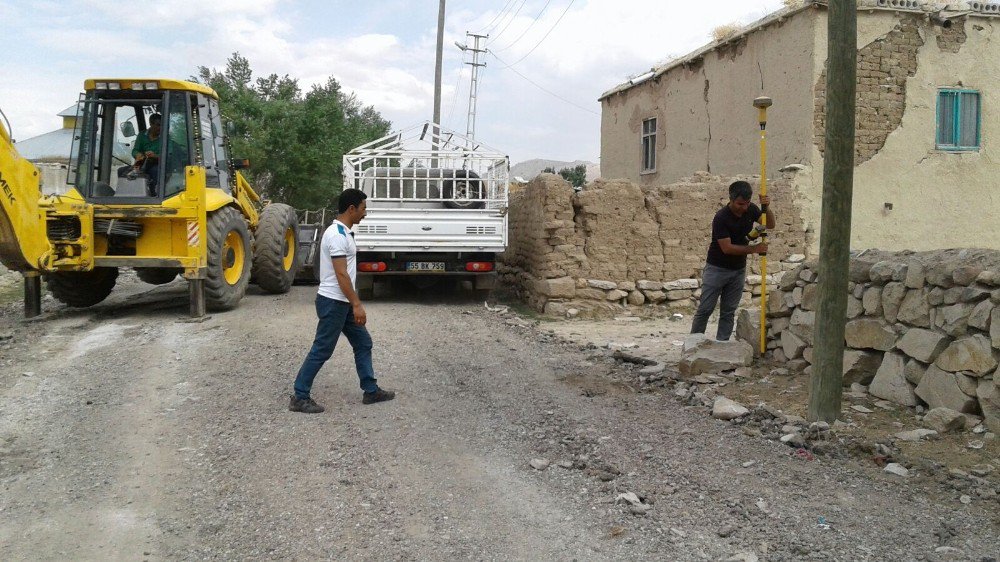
(454, 99)
(527, 29)
(489, 27)
(561, 16)
(542, 88)
(514, 17)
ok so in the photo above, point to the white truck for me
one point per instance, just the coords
(437, 207)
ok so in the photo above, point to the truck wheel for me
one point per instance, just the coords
(458, 193)
(157, 275)
(82, 288)
(275, 258)
(228, 259)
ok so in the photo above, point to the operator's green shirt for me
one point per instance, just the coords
(144, 145)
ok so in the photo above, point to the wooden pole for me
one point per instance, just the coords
(835, 231)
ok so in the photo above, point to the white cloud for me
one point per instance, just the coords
(385, 56)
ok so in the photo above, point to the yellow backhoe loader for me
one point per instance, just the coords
(153, 187)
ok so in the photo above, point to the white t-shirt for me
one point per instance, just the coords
(338, 242)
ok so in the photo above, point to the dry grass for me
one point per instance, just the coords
(724, 32)
(792, 3)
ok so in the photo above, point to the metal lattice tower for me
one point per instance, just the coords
(476, 50)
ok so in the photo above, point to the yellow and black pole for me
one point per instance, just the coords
(762, 103)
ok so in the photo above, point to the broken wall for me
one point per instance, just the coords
(616, 245)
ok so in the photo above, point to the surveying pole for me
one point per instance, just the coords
(476, 49)
(762, 103)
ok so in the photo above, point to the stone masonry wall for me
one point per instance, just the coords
(616, 245)
(923, 329)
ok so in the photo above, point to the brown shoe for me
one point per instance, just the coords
(379, 395)
(304, 405)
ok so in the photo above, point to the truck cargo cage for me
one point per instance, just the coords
(430, 167)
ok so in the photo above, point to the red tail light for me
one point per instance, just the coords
(372, 266)
(479, 266)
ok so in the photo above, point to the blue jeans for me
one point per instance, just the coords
(336, 317)
(719, 282)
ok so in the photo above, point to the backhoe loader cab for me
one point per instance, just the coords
(155, 189)
(179, 127)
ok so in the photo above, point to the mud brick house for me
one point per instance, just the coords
(928, 128)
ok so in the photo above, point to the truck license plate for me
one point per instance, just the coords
(425, 266)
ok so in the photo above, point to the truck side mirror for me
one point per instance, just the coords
(128, 129)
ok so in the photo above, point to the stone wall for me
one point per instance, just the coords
(615, 244)
(923, 329)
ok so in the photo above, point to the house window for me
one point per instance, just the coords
(649, 145)
(958, 119)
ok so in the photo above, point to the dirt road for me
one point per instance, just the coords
(127, 434)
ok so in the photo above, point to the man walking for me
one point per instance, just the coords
(725, 268)
(339, 309)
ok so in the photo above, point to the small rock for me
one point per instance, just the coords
(975, 445)
(861, 409)
(965, 499)
(640, 509)
(653, 369)
(743, 557)
(539, 464)
(793, 439)
(748, 464)
(726, 531)
(915, 435)
(982, 470)
(565, 464)
(678, 532)
(726, 409)
(944, 420)
(897, 469)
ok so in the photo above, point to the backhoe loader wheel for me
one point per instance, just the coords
(229, 246)
(82, 288)
(157, 275)
(275, 257)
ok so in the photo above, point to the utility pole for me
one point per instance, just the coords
(478, 41)
(835, 231)
(437, 65)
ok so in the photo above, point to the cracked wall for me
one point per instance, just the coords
(705, 112)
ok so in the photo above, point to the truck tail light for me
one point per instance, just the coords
(479, 266)
(372, 266)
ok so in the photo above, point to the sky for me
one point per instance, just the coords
(549, 60)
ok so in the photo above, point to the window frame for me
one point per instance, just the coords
(957, 112)
(648, 150)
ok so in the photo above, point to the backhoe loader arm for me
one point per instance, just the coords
(22, 227)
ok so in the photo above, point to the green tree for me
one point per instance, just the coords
(576, 175)
(295, 141)
(549, 170)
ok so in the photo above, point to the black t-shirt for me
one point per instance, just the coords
(727, 225)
